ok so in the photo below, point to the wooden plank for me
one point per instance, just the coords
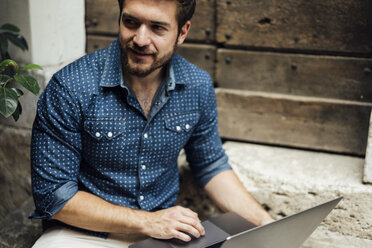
(96, 42)
(339, 25)
(102, 18)
(203, 25)
(306, 75)
(314, 123)
(203, 56)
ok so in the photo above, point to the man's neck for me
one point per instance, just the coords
(151, 81)
(146, 87)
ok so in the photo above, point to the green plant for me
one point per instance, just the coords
(10, 33)
(11, 72)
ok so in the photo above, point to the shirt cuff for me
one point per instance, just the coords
(207, 173)
(61, 196)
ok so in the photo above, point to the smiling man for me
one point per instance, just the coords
(108, 131)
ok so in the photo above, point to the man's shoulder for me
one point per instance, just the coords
(83, 74)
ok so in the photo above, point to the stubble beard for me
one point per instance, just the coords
(137, 70)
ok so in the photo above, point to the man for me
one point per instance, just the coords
(108, 131)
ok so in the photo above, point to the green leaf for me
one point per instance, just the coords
(17, 112)
(5, 63)
(10, 27)
(32, 67)
(8, 102)
(4, 79)
(28, 82)
(17, 40)
(17, 91)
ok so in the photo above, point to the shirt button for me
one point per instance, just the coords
(145, 135)
(109, 134)
(178, 128)
(142, 197)
(187, 126)
(143, 167)
(98, 134)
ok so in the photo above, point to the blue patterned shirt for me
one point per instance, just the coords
(91, 134)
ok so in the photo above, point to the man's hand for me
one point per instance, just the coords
(174, 222)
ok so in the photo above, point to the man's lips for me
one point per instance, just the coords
(139, 54)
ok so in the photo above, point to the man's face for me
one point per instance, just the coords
(148, 35)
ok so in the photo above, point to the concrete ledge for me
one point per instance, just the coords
(286, 181)
(15, 177)
(16, 230)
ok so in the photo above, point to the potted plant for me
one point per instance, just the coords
(10, 72)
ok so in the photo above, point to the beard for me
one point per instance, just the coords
(134, 67)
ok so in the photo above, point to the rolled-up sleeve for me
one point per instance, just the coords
(55, 150)
(204, 149)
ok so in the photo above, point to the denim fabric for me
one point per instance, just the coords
(91, 134)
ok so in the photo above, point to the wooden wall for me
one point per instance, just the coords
(288, 72)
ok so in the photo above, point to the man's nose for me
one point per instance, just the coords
(142, 36)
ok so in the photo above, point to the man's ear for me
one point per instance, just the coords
(183, 32)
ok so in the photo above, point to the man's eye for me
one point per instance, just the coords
(158, 28)
(129, 22)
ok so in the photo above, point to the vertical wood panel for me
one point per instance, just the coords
(367, 178)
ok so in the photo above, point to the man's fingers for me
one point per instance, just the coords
(191, 218)
(195, 223)
(182, 236)
(176, 222)
(189, 230)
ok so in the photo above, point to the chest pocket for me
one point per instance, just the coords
(105, 129)
(182, 123)
(103, 139)
(178, 129)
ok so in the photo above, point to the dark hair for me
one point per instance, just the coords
(185, 10)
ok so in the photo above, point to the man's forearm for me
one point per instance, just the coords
(90, 212)
(230, 195)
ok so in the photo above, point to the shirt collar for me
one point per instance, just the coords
(112, 75)
(112, 68)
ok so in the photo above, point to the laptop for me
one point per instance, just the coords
(233, 231)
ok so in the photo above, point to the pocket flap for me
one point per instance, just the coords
(181, 122)
(108, 129)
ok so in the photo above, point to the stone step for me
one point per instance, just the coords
(287, 181)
